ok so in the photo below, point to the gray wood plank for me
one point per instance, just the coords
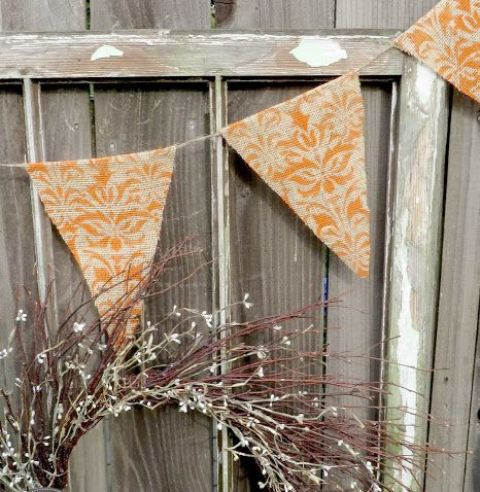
(42, 15)
(472, 470)
(275, 257)
(147, 453)
(458, 311)
(156, 460)
(144, 14)
(355, 325)
(17, 252)
(53, 15)
(148, 53)
(274, 14)
(65, 116)
(417, 217)
(368, 14)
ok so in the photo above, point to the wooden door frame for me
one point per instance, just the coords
(418, 141)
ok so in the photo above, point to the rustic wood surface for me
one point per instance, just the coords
(472, 470)
(17, 251)
(66, 133)
(275, 258)
(143, 451)
(43, 15)
(452, 403)
(175, 55)
(385, 14)
(415, 260)
(150, 14)
(276, 14)
(149, 450)
(355, 324)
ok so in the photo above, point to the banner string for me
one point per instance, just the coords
(202, 137)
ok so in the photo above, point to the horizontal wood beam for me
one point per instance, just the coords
(200, 54)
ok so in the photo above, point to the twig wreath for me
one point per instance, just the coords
(73, 375)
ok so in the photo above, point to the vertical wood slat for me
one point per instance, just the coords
(472, 469)
(416, 235)
(274, 14)
(355, 325)
(42, 15)
(42, 229)
(17, 251)
(221, 242)
(384, 14)
(65, 129)
(149, 449)
(173, 439)
(146, 14)
(458, 309)
(275, 257)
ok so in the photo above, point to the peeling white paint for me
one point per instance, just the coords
(319, 52)
(105, 51)
(425, 79)
(407, 354)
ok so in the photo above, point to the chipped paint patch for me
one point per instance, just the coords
(424, 80)
(319, 52)
(407, 353)
(105, 51)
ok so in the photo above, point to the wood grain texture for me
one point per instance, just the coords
(416, 244)
(458, 311)
(145, 14)
(66, 132)
(355, 325)
(42, 15)
(148, 452)
(17, 252)
(164, 54)
(49, 15)
(387, 14)
(274, 14)
(66, 135)
(472, 470)
(275, 257)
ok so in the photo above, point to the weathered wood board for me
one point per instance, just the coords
(148, 452)
(276, 14)
(454, 407)
(17, 251)
(144, 452)
(166, 54)
(355, 325)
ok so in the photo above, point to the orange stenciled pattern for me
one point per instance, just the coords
(447, 39)
(310, 150)
(109, 212)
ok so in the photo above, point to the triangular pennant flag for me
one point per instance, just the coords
(447, 39)
(310, 150)
(109, 212)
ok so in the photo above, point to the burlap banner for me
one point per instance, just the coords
(310, 150)
(447, 39)
(109, 212)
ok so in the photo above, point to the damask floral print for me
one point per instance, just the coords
(109, 212)
(310, 150)
(447, 39)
